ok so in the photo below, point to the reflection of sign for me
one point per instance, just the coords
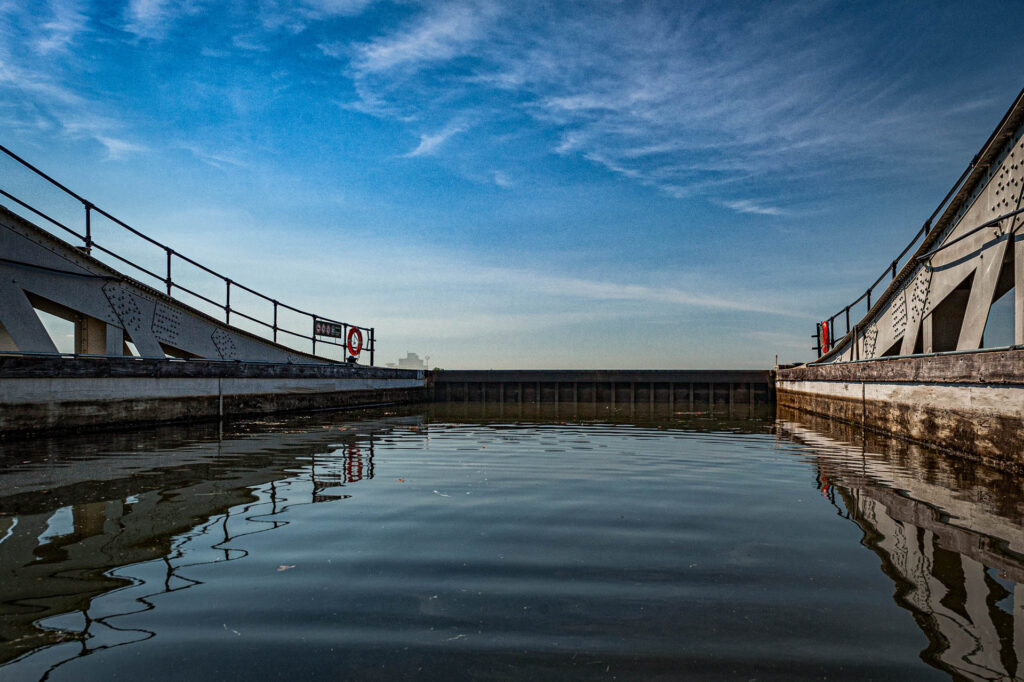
(355, 341)
(322, 328)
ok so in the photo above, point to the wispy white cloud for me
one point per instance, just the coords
(250, 42)
(57, 108)
(148, 18)
(431, 143)
(118, 148)
(604, 290)
(213, 158)
(67, 20)
(442, 33)
(750, 206)
(333, 8)
(679, 98)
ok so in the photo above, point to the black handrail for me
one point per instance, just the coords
(826, 344)
(367, 333)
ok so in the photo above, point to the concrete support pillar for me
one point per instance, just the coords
(114, 341)
(911, 332)
(90, 336)
(1018, 292)
(6, 341)
(1018, 612)
(983, 290)
(928, 345)
(21, 322)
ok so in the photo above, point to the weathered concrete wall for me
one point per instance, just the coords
(970, 405)
(674, 387)
(50, 394)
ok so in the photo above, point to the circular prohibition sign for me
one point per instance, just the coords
(354, 341)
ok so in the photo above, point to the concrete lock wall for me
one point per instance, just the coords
(967, 404)
(683, 389)
(65, 394)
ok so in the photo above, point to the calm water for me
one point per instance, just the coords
(475, 545)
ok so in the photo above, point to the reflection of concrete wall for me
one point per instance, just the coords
(130, 507)
(941, 545)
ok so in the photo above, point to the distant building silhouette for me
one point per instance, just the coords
(410, 361)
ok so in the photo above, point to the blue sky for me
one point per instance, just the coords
(519, 184)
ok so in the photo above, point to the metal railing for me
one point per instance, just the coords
(825, 330)
(366, 334)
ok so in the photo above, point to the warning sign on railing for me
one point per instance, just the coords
(323, 328)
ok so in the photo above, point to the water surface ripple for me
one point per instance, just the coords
(427, 544)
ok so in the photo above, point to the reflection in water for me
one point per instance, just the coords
(700, 414)
(141, 514)
(569, 541)
(949, 535)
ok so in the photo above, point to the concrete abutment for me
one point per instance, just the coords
(969, 405)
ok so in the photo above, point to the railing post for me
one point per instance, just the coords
(275, 321)
(168, 280)
(927, 227)
(372, 344)
(869, 299)
(894, 269)
(847, 319)
(227, 302)
(313, 336)
(817, 337)
(88, 226)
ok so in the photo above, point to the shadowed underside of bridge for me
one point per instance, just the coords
(916, 364)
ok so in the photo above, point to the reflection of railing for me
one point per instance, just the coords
(362, 337)
(262, 512)
(941, 540)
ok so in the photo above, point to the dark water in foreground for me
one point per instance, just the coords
(432, 545)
